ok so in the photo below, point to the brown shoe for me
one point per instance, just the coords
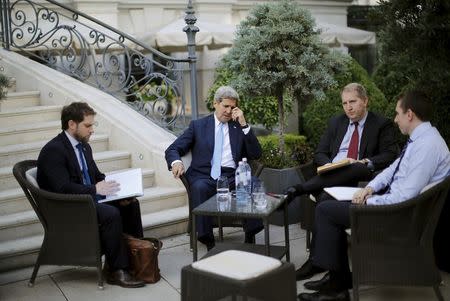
(124, 279)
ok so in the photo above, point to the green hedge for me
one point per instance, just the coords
(318, 112)
(297, 149)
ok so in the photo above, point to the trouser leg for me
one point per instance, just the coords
(131, 218)
(332, 218)
(111, 236)
(202, 190)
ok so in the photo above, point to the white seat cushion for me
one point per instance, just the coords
(238, 265)
(430, 185)
(31, 175)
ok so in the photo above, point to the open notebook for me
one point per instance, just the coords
(130, 184)
(342, 193)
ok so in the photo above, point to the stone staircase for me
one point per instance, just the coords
(25, 126)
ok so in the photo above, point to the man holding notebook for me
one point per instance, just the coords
(364, 139)
(425, 159)
(66, 165)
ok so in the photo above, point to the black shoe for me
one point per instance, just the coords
(328, 284)
(208, 241)
(325, 296)
(250, 235)
(307, 270)
(124, 279)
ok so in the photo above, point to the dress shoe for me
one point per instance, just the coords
(307, 270)
(250, 235)
(208, 241)
(124, 279)
(327, 283)
(325, 296)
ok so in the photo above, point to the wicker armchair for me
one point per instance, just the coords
(393, 244)
(71, 235)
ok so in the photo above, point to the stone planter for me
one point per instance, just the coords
(277, 181)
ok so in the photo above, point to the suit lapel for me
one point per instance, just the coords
(232, 132)
(211, 133)
(342, 129)
(72, 156)
(366, 133)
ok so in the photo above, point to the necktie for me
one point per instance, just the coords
(217, 155)
(86, 177)
(353, 146)
(402, 153)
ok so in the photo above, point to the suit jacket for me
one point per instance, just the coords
(58, 169)
(378, 140)
(199, 139)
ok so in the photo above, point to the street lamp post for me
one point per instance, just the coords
(190, 29)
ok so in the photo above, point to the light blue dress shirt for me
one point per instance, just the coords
(343, 149)
(426, 160)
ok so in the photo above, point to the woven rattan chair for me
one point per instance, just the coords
(393, 244)
(71, 235)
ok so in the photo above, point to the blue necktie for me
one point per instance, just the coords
(217, 156)
(86, 177)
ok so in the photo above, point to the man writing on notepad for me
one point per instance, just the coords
(425, 159)
(365, 139)
(66, 165)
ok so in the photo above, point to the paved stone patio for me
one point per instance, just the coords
(80, 284)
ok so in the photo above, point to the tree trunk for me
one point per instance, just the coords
(281, 121)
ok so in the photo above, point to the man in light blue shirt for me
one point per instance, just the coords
(425, 159)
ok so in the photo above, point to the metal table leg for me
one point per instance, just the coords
(194, 238)
(286, 232)
(266, 236)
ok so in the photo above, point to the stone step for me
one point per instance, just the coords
(165, 223)
(19, 253)
(11, 154)
(112, 160)
(23, 252)
(13, 201)
(106, 161)
(29, 114)
(162, 198)
(26, 223)
(20, 99)
(12, 84)
(29, 132)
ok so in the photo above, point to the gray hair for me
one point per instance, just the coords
(225, 92)
(358, 88)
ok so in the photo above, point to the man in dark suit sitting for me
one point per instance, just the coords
(366, 139)
(238, 141)
(66, 165)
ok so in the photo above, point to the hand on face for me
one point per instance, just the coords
(238, 116)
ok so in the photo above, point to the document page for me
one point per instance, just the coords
(342, 193)
(130, 184)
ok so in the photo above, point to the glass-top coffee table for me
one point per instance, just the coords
(210, 208)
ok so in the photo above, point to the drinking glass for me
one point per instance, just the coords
(259, 195)
(223, 196)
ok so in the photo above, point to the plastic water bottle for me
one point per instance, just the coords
(248, 175)
(241, 181)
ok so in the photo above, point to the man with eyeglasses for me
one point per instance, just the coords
(217, 143)
(66, 165)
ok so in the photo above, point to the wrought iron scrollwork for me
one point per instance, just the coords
(99, 55)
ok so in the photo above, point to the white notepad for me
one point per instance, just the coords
(130, 184)
(342, 193)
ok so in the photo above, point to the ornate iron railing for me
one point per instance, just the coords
(104, 57)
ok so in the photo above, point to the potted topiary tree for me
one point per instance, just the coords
(4, 84)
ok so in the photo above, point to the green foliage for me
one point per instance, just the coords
(297, 151)
(277, 52)
(318, 113)
(257, 110)
(4, 83)
(153, 91)
(414, 51)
